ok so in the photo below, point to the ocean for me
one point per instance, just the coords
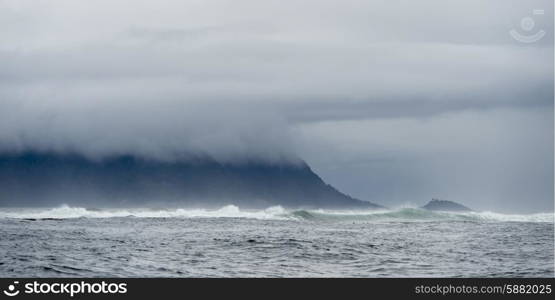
(275, 242)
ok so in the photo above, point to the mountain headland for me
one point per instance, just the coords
(46, 179)
(445, 205)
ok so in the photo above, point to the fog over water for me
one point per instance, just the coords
(395, 103)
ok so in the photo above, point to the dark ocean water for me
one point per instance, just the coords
(69, 242)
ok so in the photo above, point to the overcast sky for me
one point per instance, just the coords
(394, 102)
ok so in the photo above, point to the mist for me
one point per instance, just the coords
(395, 103)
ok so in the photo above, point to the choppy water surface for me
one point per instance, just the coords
(273, 243)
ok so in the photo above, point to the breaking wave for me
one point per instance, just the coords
(415, 214)
(275, 213)
(67, 212)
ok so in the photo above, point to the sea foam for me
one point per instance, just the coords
(273, 213)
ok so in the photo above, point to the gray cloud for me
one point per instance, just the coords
(265, 79)
(500, 160)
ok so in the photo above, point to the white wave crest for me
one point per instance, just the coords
(492, 216)
(417, 214)
(275, 213)
(67, 212)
